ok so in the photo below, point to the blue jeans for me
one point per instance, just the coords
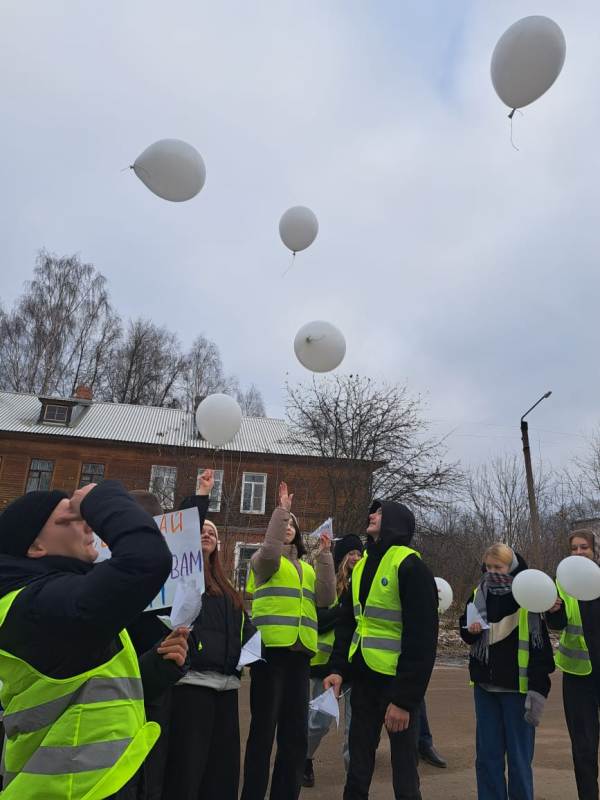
(503, 734)
(425, 737)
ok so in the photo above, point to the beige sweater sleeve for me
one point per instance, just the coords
(325, 584)
(265, 562)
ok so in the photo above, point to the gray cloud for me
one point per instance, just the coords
(450, 260)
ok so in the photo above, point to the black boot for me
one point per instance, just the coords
(308, 778)
(429, 754)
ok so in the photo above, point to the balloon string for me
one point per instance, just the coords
(126, 168)
(290, 266)
(511, 118)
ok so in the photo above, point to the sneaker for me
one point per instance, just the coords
(308, 777)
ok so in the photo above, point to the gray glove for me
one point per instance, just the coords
(534, 707)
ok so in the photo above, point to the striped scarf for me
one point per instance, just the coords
(497, 583)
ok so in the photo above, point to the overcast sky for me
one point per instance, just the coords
(449, 260)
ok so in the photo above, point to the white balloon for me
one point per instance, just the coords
(218, 418)
(298, 228)
(580, 577)
(534, 590)
(445, 594)
(172, 169)
(527, 60)
(320, 346)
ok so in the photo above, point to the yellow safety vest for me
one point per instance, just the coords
(78, 738)
(379, 625)
(573, 655)
(283, 608)
(325, 642)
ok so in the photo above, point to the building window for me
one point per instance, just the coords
(55, 413)
(254, 486)
(163, 481)
(40, 475)
(215, 495)
(243, 554)
(91, 473)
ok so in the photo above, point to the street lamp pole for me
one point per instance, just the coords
(536, 528)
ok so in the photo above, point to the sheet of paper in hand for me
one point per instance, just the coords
(181, 530)
(473, 615)
(251, 651)
(327, 703)
(325, 527)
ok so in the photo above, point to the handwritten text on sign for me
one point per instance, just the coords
(181, 530)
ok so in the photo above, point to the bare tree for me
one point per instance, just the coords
(204, 373)
(55, 336)
(251, 402)
(147, 366)
(362, 429)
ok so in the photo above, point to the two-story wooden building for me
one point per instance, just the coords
(64, 443)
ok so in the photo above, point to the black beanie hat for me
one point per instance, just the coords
(24, 518)
(344, 546)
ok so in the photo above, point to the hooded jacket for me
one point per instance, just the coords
(419, 600)
(502, 668)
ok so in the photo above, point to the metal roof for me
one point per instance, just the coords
(19, 413)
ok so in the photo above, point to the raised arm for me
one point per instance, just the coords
(106, 597)
(325, 573)
(265, 562)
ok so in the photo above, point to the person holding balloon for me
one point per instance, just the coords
(510, 665)
(578, 657)
(285, 594)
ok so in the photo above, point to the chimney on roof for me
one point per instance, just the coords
(83, 393)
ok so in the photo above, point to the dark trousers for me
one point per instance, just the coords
(278, 702)
(581, 699)
(369, 703)
(425, 737)
(503, 736)
(204, 745)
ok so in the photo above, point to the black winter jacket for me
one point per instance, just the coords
(502, 668)
(419, 599)
(218, 635)
(68, 617)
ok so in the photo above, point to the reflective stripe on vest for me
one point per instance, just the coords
(325, 642)
(572, 655)
(77, 738)
(522, 643)
(283, 608)
(379, 626)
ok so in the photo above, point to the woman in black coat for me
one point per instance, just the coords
(204, 742)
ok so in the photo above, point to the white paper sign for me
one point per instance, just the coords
(325, 527)
(473, 615)
(327, 703)
(251, 651)
(181, 530)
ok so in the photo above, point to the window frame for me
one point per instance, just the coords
(214, 505)
(237, 567)
(162, 495)
(94, 479)
(253, 484)
(37, 487)
(48, 406)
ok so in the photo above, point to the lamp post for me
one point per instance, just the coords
(536, 528)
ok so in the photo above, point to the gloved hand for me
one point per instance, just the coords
(534, 707)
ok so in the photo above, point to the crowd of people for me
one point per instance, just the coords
(101, 700)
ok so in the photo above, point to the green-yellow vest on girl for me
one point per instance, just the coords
(283, 608)
(572, 655)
